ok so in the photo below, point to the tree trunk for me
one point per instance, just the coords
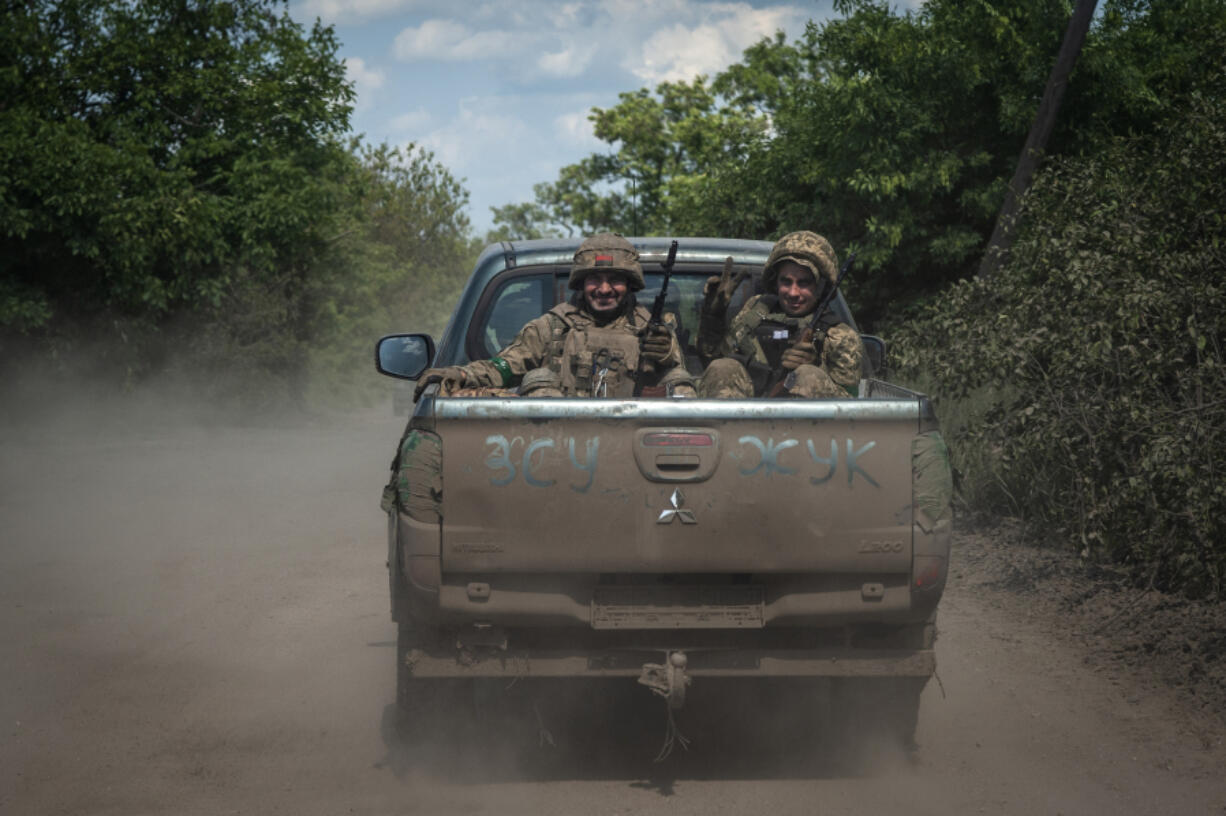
(1002, 237)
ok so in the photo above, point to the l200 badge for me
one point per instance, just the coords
(678, 510)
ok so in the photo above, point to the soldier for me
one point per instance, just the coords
(587, 347)
(764, 344)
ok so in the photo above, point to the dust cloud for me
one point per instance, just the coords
(195, 621)
(196, 611)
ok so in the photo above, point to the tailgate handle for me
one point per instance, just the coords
(676, 454)
(676, 462)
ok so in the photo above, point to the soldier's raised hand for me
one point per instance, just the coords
(803, 353)
(450, 379)
(717, 292)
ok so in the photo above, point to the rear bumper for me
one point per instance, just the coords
(526, 663)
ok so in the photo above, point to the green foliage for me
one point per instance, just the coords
(523, 221)
(398, 266)
(897, 134)
(175, 179)
(1093, 365)
(893, 133)
(147, 149)
(395, 260)
(664, 140)
(22, 308)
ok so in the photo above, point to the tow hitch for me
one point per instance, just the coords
(669, 680)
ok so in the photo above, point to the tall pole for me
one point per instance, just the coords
(1036, 142)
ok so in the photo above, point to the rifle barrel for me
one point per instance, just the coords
(657, 317)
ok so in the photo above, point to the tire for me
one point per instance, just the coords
(406, 685)
(429, 708)
(397, 593)
(422, 703)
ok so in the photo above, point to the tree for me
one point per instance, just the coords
(178, 176)
(891, 133)
(893, 137)
(660, 140)
(397, 261)
(1086, 380)
(154, 153)
(525, 220)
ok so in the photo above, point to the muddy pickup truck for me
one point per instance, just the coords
(663, 540)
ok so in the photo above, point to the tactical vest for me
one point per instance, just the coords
(760, 334)
(590, 360)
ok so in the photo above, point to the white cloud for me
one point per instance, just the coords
(476, 134)
(411, 122)
(566, 15)
(679, 53)
(706, 45)
(540, 64)
(576, 130)
(352, 11)
(365, 80)
(651, 40)
(449, 40)
(569, 62)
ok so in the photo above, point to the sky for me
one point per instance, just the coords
(500, 92)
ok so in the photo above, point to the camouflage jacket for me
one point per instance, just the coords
(759, 334)
(542, 343)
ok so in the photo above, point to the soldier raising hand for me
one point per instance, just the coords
(717, 294)
(765, 341)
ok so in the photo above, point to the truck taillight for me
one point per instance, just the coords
(929, 572)
(680, 440)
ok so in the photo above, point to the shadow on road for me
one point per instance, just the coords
(614, 730)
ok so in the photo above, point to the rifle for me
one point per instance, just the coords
(777, 384)
(657, 317)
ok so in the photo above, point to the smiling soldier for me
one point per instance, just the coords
(587, 347)
(765, 342)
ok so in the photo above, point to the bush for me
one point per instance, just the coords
(1088, 374)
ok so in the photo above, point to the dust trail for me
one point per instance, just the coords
(195, 620)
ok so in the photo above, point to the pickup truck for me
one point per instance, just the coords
(665, 540)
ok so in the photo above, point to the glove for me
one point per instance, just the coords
(657, 343)
(450, 378)
(800, 354)
(717, 292)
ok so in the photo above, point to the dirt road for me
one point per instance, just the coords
(194, 622)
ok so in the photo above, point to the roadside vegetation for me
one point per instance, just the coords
(181, 193)
(891, 133)
(1084, 385)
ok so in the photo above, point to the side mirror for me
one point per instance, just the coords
(404, 355)
(874, 356)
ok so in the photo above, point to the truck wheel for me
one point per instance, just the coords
(398, 594)
(422, 702)
(395, 576)
(415, 696)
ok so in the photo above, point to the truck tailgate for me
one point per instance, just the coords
(678, 486)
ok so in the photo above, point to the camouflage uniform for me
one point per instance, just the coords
(747, 353)
(568, 351)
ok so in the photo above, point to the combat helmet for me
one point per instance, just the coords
(606, 252)
(808, 249)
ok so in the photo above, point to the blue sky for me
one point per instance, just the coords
(501, 91)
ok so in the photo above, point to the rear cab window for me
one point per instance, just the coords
(518, 296)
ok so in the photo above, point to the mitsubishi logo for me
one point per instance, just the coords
(677, 510)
